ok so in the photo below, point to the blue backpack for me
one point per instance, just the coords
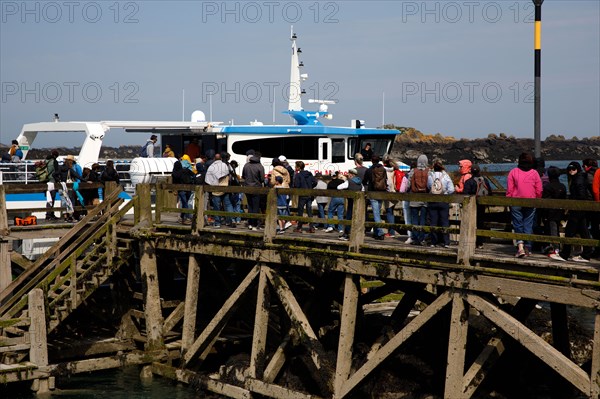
(144, 151)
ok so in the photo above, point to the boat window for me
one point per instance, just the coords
(337, 151)
(303, 148)
(352, 147)
(325, 154)
(380, 146)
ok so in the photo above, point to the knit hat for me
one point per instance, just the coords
(353, 171)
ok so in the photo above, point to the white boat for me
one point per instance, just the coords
(322, 148)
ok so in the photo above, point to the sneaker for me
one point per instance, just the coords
(280, 231)
(388, 235)
(555, 256)
(287, 225)
(408, 241)
(578, 259)
(446, 246)
(344, 238)
(480, 246)
(340, 232)
(520, 253)
(329, 229)
(217, 226)
(252, 228)
(187, 221)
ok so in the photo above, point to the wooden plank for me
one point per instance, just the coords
(38, 352)
(174, 318)
(536, 345)
(468, 231)
(497, 281)
(457, 347)
(261, 326)
(275, 391)
(480, 367)
(189, 377)
(595, 371)
(110, 362)
(277, 360)
(145, 203)
(347, 329)
(395, 342)
(191, 303)
(216, 324)
(199, 202)
(152, 308)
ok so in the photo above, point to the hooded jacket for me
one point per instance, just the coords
(253, 172)
(464, 168)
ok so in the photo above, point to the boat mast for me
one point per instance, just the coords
(295, 93)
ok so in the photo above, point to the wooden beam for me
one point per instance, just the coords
(595, 373)
(480, 367)
(275, 391)
(277, 360)
(191, 303)
(206, 338)
(261, 325)
(536, 345)
(395, 342)
(152, 308)
(38, 352)
(271, 216)
(457, 348)
(347, 329)
(357, 230)
(174, 318)
(145, 203)
(189, 377)
(199, 206)
(468, 231)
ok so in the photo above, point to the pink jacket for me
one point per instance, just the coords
(523, 184)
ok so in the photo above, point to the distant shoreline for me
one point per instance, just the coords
(407, 149)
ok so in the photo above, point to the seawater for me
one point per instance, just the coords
(109, 384)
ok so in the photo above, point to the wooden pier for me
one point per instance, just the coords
(244, 313)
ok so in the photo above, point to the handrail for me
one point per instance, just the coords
(492, 200)
(80, 233)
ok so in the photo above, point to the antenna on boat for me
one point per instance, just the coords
(383, 110)
(182, 105)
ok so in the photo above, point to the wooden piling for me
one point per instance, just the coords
(38, 352)
(347, 327)
(152, 306)
(5, 268)
(457, 347)
(468, 231)
(261, 321)
(191, 304)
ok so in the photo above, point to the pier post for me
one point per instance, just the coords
(191, 304)
(38, 352)
(145, 203)
(271, 216)
(199, 205)
(347, 328)
(5, 268)
(457, 347)
(152, 305)
(357, 232)
(468, 231)
(595, 373)
(261, 322)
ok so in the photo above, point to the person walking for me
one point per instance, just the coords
(52, 190)
(464, 168)
(353, 183)
(181, 175)
(552, 218)
(376, 180)
(418, 184)
(478, 186)
(336, 204)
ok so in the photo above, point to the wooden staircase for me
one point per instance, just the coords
(68, 273)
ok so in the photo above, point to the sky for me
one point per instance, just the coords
(458, 68)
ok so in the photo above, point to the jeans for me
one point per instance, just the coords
(418, 217)
(439, 215)
(183, 197)
(407, 215)
(305, 202)
(376, 206)
(348, 215)
(522, 220)
(224, 201)
(321, 209)
(336, 206)
(389, 216)
(253, 207)
(236, 204)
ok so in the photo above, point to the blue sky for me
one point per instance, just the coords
(459, 68)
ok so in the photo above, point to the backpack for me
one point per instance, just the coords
(144, 151)
(41, 171)
(481, 187)
(379, 178)
(437, 187)
(418, 181)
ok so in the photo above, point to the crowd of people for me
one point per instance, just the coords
(529, 179)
